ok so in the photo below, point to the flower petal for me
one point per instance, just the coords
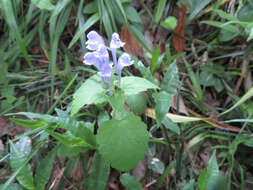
(116, 42)
(125, 60)
(94, 40)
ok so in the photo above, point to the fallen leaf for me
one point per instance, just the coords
(1, 147)
(182, 108)
(132, 46)
(140, 170)
(178, 37)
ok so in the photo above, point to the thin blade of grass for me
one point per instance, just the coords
(245, 97)
(92, 20)
(11, 21)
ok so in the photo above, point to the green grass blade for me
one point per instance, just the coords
(92, 20)
(246, 96)
(195, 81)
(159, 10)
(11, 21)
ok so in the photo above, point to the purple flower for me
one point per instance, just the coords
(124, 60)
(94, 40)
(100, 59)
(115, 43)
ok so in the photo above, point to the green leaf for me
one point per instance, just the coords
(83, 131)
(194, 7)
(134, 85)
(137, 102)
(43, 4)
(154, 61)
(169, 124)
(33, 124)
(19, 154)
(132, 14)
(69, 151)
(123, 143)
(90, 8)
(130, 182)
(209, 174)
(8, 11)
(92, 20)
(169, 23)
(159, 10)
(170, 81)
(245, 97)
(246, 13)
(13, 186)
(189, 185)
(225, 15)
(117, 103)
(156, 165)
(43, 171)
(68, 139)
(91, 92)
(99, 173)
(163, 102)
(195, 80)
(228, 27)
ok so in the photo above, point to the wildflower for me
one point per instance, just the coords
(94, 40)
(124, 60)
(99, 57)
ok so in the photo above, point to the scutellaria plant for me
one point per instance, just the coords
(99, 57)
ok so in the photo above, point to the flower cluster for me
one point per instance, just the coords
(99, 57)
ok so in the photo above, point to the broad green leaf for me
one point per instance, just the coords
(169, 23)
(170, 81)
(154, 61)
(209, 174)
(130, 182)
(91, 92)
(159, 10)
(43, 4)
(163, 102)
(19, 154)
(43, 171)
(134, 85)
(245, 97)
(123, 143)
(137, 102)
(99, 173)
